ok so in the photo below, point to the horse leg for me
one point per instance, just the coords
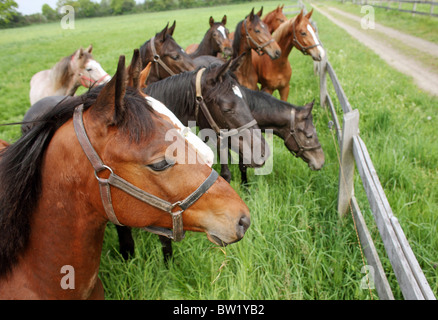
(284, 92)
(243, 169)
(126, 242)
(166, 245)
(225, 171)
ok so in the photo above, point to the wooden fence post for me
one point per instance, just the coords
(323, 81)
(346, 168)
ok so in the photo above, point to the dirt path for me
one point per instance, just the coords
(423, 77)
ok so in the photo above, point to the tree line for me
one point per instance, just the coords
(10, 17)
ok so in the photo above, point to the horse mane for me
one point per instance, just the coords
(21, 162)
(178, 92)
(237, 39)
(283, 30)
(262, 102)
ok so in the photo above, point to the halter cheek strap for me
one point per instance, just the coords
(157, 59)
(114, 180)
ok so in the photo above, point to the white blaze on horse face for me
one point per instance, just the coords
(237, 91)
(94, 70)
(315, 39)
(203, 149)
(221, 29)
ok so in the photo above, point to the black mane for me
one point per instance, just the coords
(237, 39)
(21, 162)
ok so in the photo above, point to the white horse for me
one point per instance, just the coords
(68, 75)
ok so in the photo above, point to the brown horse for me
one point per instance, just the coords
(54, 209)
(67, 76)
(167, 57)
(252, 34)
(274, 18)
(275, 74)
(215, 41)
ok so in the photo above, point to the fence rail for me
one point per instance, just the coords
(414, 11)
(353, 153)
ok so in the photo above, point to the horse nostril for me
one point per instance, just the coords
(277, 53)
(244, 223)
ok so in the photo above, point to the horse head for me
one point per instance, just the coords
(166, 55)
(88, 71)
(300, 137)
(220, 36)
(274, 18)
(305, 38)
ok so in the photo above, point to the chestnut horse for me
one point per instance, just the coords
(54, 209)
(67, 76)
(252, 34)
(215, 41)
(275, 74)
(274, 18)
(166, 56)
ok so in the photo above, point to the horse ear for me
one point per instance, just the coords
(134, 70)
(236, 63)
(90, 48)
(260, 13)
(309, 106)
(162, 34)
(144, 74)
(309, 14)
(251, 15)
(112, 95)
(79, 53)
(224, 20)
(211, 21)
(172, 28)
(299, 17)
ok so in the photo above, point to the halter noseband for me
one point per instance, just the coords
(201, 104)
(259, 47)
(302, 48)
(157, 59)
(114, 180)
(293, 134)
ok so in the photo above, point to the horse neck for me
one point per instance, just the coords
(65, 228)
(270, 113)
(204, 48)
(284, 41)
(63, 77)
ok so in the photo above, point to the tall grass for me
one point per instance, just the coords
(296, 247)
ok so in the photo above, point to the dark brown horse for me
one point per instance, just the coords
(56, 196)
(293, 124)
(215, 41)
(276, 74)
(166, 56)
(252, 34)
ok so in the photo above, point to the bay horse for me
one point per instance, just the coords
(215, 41)
(54, 209)
(165, 54)
(276, 74)
(68, 75)
(252, 34)
(293, 124)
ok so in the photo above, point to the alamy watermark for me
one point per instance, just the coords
(368, 20)
(68, 20)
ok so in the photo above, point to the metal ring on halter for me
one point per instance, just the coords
(104, 167)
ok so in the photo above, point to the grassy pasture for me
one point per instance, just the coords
(296, 247)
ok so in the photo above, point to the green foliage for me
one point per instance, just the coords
(7, 10)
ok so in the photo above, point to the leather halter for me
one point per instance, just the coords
(91, 82)
(201, 104)
(259, 47)
(295, 41)
(114, 180)
(293, 134)
(157, 59)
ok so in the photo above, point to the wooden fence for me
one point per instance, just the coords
(386, 4)
(353, 152)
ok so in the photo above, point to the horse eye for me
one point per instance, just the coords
(303, 34)
(89, 69)
(161, 165)
(257, 30)
(176, 57)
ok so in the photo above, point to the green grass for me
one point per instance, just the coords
(296, 247)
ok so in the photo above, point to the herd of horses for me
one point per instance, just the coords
(83, 161)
